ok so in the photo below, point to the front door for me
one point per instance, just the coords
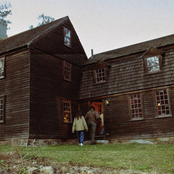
(99, 108)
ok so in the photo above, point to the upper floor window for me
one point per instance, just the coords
(2, 109)
(2, 67)
(136, 106)
(153, 64)
(100, 75)
(162, 103)
(67, 71)
(67, 118)
(67, 37)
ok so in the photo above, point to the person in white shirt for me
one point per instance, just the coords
(79, 125)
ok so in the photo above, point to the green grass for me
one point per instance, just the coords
(142, 157)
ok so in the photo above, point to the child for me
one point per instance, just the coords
(79, 125)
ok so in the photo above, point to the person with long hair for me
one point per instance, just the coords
(79, 125)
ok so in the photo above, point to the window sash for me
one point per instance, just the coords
(67, 71)
(162, 103)
(2, 59)
(67, 118)
(100, 75)
(136, 106)
(2, 100)
(153, 64)
(67, 37)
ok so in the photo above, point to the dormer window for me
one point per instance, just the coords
(100, 75)
(100, 72)
(67, 37)
(153, 64)
(152, 60)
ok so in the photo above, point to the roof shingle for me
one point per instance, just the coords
(26, 37)
(143, 46)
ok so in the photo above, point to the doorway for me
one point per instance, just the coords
(99, 108)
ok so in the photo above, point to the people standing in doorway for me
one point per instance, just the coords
(79, 125)
(102, 123)
(91, 117)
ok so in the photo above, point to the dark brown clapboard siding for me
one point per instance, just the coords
(16, 89)
(127, 74)
(125, 77)
(53, 43)
(118, 124)
(48, 90)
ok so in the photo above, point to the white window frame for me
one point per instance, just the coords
(136, 107)
(162, 103)
(67, 71)
(153, 64)
(2, 67)
(67, 37)
(67, 112)
(100, 75)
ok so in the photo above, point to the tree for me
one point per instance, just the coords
(4, 12)
(45, 19)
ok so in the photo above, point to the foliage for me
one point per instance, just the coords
(4, 12)
(44, 20)
(158, 158)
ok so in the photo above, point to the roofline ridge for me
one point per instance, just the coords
(59, 21)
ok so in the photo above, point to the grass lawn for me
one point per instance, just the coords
(148, 158)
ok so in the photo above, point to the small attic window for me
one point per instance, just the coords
(100, 75)
(67, 37)
(153, 64)
(153, 60)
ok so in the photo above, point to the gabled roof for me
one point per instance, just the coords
(152, 52)
(100, 64)
(143, 46)
(27, 37)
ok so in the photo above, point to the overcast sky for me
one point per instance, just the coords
(101, 25)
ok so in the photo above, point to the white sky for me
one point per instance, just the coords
(101, 25)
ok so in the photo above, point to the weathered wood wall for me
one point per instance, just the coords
(16, 89)
(126, 76)
(118, 123)
(48, 89)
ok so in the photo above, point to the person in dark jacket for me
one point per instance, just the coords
(91, 117)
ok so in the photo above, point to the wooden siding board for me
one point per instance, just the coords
(48, 90)
(127, 74)
(16, 89)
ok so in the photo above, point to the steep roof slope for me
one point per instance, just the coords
(25, 38)
(143, 46)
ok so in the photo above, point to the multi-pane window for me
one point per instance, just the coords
(1, 109)
(153, 64)
(67, 71)
(136, 106)
(100, 75)
(1, 67)
(162, 103)
(67, 37)
(67, 112)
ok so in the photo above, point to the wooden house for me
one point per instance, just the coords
(134, 88)
(45, 78)
(40, 72)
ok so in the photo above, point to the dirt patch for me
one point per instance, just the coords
(15, 163)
